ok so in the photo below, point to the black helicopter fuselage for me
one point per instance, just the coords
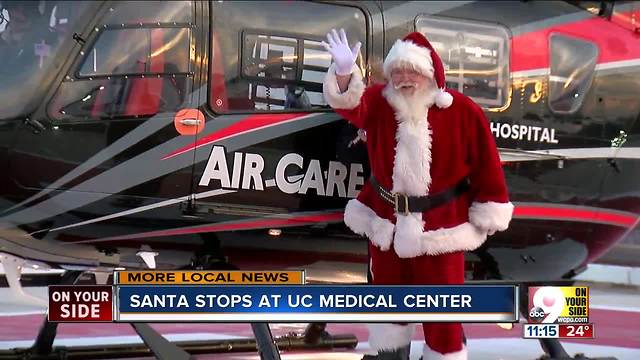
(198, 130)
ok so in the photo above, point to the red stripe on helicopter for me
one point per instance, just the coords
(575, 214)
(335, 216)
(246, 125)
(533, 212)
(616, 43)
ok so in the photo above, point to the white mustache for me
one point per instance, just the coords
(402, 84)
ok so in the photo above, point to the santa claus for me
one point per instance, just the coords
(436, 188)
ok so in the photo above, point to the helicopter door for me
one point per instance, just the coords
(270, 139)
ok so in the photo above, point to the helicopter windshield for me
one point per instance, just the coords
(31, 35)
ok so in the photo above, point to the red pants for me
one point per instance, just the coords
(447, 269)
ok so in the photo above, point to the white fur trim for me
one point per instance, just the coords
(412, 161)
(350, 98)
(463, 237)
(390, 336)
(408, 52)
(491, 216)
(364, 221)
(409, 229)
(444, 99)
(429, 354)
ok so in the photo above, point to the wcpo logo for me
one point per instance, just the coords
(559, 304)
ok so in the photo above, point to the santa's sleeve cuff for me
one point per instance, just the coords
(350, 98)
(491, 216)
(364, 221)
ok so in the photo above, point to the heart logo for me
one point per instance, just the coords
(548, 301)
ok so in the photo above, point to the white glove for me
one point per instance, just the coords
(343, 57)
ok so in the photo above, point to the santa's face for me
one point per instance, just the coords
(407, 81)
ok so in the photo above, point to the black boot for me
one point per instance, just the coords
(397, 354)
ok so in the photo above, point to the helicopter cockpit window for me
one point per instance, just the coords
(264, 60)
(136, 69)
(475, 57)
(132, 51)
(32, 35)
(573, 62)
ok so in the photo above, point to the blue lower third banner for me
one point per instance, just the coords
(317, 303)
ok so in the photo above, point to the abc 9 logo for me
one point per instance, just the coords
(548, 303)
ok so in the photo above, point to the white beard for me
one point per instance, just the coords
(411, 170)
(412, 107)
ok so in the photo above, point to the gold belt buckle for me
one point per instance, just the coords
(406, 203)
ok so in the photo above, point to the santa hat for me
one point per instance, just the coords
(416, 50)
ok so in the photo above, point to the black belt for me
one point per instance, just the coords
(405, 204)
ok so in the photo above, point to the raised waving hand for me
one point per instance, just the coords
(343, 57)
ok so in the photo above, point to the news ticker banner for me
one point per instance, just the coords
(271, 296)
(316, 303)
(558, 312)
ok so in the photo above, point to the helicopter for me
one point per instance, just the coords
(194, 134)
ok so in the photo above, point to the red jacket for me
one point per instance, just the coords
(420, 158)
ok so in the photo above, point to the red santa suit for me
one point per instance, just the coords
(419, 153)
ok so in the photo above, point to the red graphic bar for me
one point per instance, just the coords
(576, 331)
(71, 303)
(248, 124)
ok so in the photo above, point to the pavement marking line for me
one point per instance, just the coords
(114, 340)
(616, 308)
(611, 274)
